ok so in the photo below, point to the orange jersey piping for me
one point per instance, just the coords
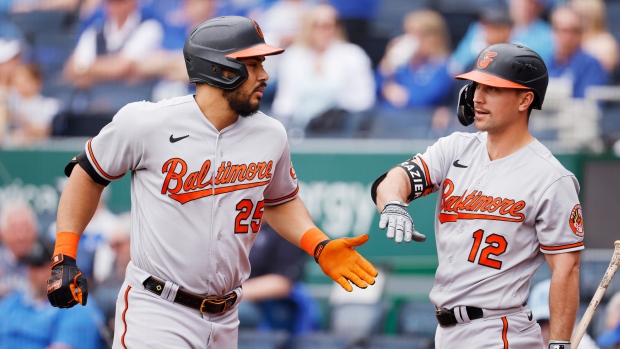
(563, 247)
(272, 201)
(92, 156)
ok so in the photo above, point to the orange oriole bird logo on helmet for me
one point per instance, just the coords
(258, 30)
(485, 58)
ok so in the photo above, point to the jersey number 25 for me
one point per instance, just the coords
(245, 208)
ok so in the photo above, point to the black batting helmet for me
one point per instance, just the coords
(217, 44)
(508, 66)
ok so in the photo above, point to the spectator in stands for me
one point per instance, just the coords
(18, 234)
(613, 311)
(356, 18)
(10, 59)
(322, 72)
(610, 338)
(597, 41)
(106, 289)
(414, 70)
(27, 115)
(538, 302)
(526, 28)
(167, 63)
(118, 36)
(28, 321)
(281, 24)
(529, 28)
(274, 296)
(569, 61)
(493, 27)
(46, 5)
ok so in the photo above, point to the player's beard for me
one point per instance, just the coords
(240, 102)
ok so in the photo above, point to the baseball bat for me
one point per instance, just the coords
(596, 299)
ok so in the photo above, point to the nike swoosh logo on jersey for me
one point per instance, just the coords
(456, 164)
(174, 140)
(529, 316)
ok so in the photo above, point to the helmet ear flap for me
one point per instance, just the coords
(465, 109)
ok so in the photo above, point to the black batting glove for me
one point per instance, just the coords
(66, 286)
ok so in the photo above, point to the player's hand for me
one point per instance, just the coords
(395, 217)
(553, 344)
(342, 263)
(66, 286)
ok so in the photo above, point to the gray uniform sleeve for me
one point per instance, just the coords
(114, 151)
(436, 161)
(559, 222)
(283, 186)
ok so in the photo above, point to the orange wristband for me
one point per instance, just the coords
(67, 244)
(311, 239)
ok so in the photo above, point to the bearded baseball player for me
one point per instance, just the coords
(206, 169)
(505, 205)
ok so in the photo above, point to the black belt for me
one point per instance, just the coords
(447, 318)
(208, 305)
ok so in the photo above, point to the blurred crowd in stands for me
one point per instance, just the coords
(352, 69)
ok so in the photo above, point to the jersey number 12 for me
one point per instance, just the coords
(496, 245)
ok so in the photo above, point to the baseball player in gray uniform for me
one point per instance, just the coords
(505, 205)
(206, 169)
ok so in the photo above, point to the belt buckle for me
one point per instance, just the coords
(213, 301)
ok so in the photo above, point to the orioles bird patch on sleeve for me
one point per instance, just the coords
(576, 220)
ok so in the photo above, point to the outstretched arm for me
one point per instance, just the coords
(395, 187)
(337, 258)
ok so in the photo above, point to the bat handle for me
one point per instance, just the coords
(596, 299)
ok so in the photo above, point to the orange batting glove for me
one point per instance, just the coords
(339, 260)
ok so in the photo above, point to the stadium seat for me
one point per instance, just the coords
(323, 341)
(69, 124)
(261, 340)
(417, 318)
(357, 320)
(591, 273)
(410, 123)
(399, 342)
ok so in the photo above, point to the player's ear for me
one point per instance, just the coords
(228, 74)
(526, 98)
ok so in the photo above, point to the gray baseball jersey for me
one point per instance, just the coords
(494, 218)
(197, 194)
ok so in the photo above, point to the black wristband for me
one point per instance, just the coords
(419, 185)
(319, 249)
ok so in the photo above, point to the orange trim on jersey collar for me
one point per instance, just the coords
(489, 80)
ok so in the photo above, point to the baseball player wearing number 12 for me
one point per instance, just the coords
(205, 171)
(505, 205)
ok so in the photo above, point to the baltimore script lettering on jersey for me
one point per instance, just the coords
(193, 186)
(471, 206)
